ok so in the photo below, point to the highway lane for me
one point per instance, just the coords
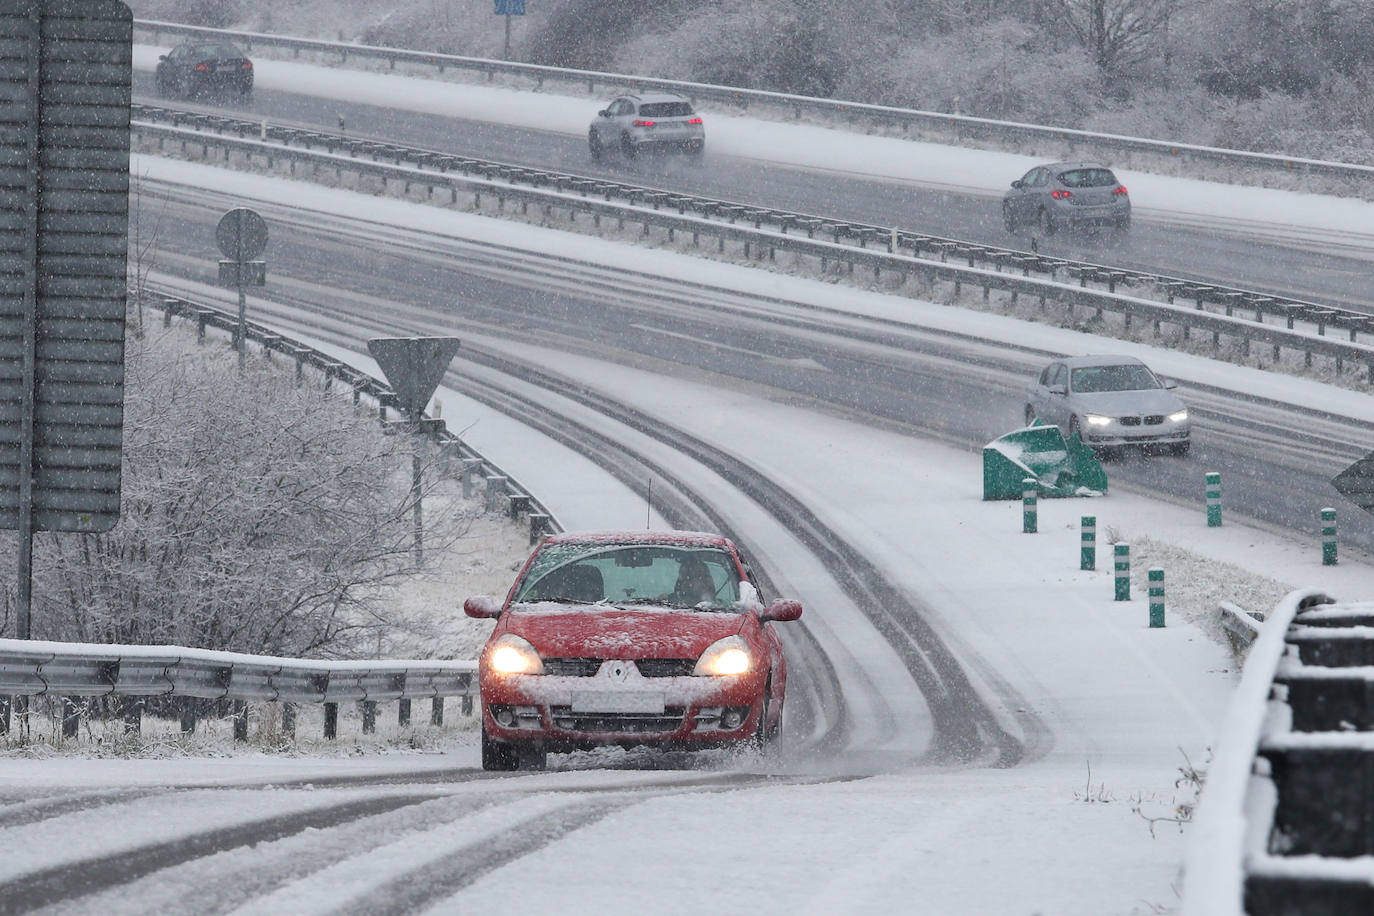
(1217, 255)
(1277, 461)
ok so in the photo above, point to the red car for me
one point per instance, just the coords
(629, 638)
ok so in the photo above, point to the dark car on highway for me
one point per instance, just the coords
(1065, 195)
(205, 68)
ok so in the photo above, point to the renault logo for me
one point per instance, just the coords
(618, 671)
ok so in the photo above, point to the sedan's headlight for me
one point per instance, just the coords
(725, 656)
(1178, 416)
(511, 654)
(1093, 419)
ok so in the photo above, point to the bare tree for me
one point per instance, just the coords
(1114, 31)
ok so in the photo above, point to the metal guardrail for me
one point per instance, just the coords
(1242, 627)
(1167, 288)
(1286, 820)
(959, 127)
(30, 668)
(720, 224)
(502, 492)
(35, 668)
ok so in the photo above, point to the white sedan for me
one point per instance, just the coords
(1110, 401)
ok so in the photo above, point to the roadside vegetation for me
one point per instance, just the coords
(1291, 76)
(261, 516)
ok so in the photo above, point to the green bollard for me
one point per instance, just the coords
(1028, 512)
(1328, 537)
(1087, 555)
(1156, 597)
(1122, 553)
(1213, 499)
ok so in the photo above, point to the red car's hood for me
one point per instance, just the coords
(587, 632)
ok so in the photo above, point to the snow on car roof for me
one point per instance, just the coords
(630, 536)
(1066, 166)
(658, 97)
(1077, 362)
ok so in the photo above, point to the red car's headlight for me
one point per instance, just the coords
(512, 654)
(726, 656)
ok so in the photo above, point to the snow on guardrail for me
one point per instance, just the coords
(1286, 820)
(931, 261)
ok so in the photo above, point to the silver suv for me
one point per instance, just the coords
(649, 121)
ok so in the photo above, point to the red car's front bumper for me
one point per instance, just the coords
(567, 713)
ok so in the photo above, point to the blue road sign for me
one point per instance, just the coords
(510, 7)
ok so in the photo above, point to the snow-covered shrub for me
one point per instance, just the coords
(1002, 69)
(256, 516)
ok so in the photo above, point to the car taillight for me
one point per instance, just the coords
(1061, 195)
(202, 68)
(642, 123)
(694, 121)
(248, 65)
(1120, 190)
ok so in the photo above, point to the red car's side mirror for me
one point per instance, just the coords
(782, 610)
(481, 606)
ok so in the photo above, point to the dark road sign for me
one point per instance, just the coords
(413, 367)
(241, 234)
(65, 78)
(1356, 483)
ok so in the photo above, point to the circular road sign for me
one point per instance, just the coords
(241, 234)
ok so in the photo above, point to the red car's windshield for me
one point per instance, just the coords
(669, 574)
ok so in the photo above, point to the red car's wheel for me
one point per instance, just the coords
(497, 755)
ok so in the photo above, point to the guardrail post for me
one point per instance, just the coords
(1328, 537)
(239, 713)
(288, 719)
(472, 469)
(1156, 576)
(1122, 561)
(71, 716)
(5, 705)
(132, 710)
(496, 491)
(1028, 508)
(188, 715)
(1213, 499)
(403, 713)
(436, 712)
(369, 717)
(1087, 553)
(331, 721)
(539, 526)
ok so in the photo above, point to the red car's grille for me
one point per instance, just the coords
(648, 667)
(572, 667)
(634, 723)
(666, 667)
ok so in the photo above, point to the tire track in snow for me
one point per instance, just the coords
(31, 891)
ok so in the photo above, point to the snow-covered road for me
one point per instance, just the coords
(1087, 824)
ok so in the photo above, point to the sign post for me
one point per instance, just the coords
(509, 8)
(413, 367)
(242, 238)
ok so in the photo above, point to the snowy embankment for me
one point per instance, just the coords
(1344, 224)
